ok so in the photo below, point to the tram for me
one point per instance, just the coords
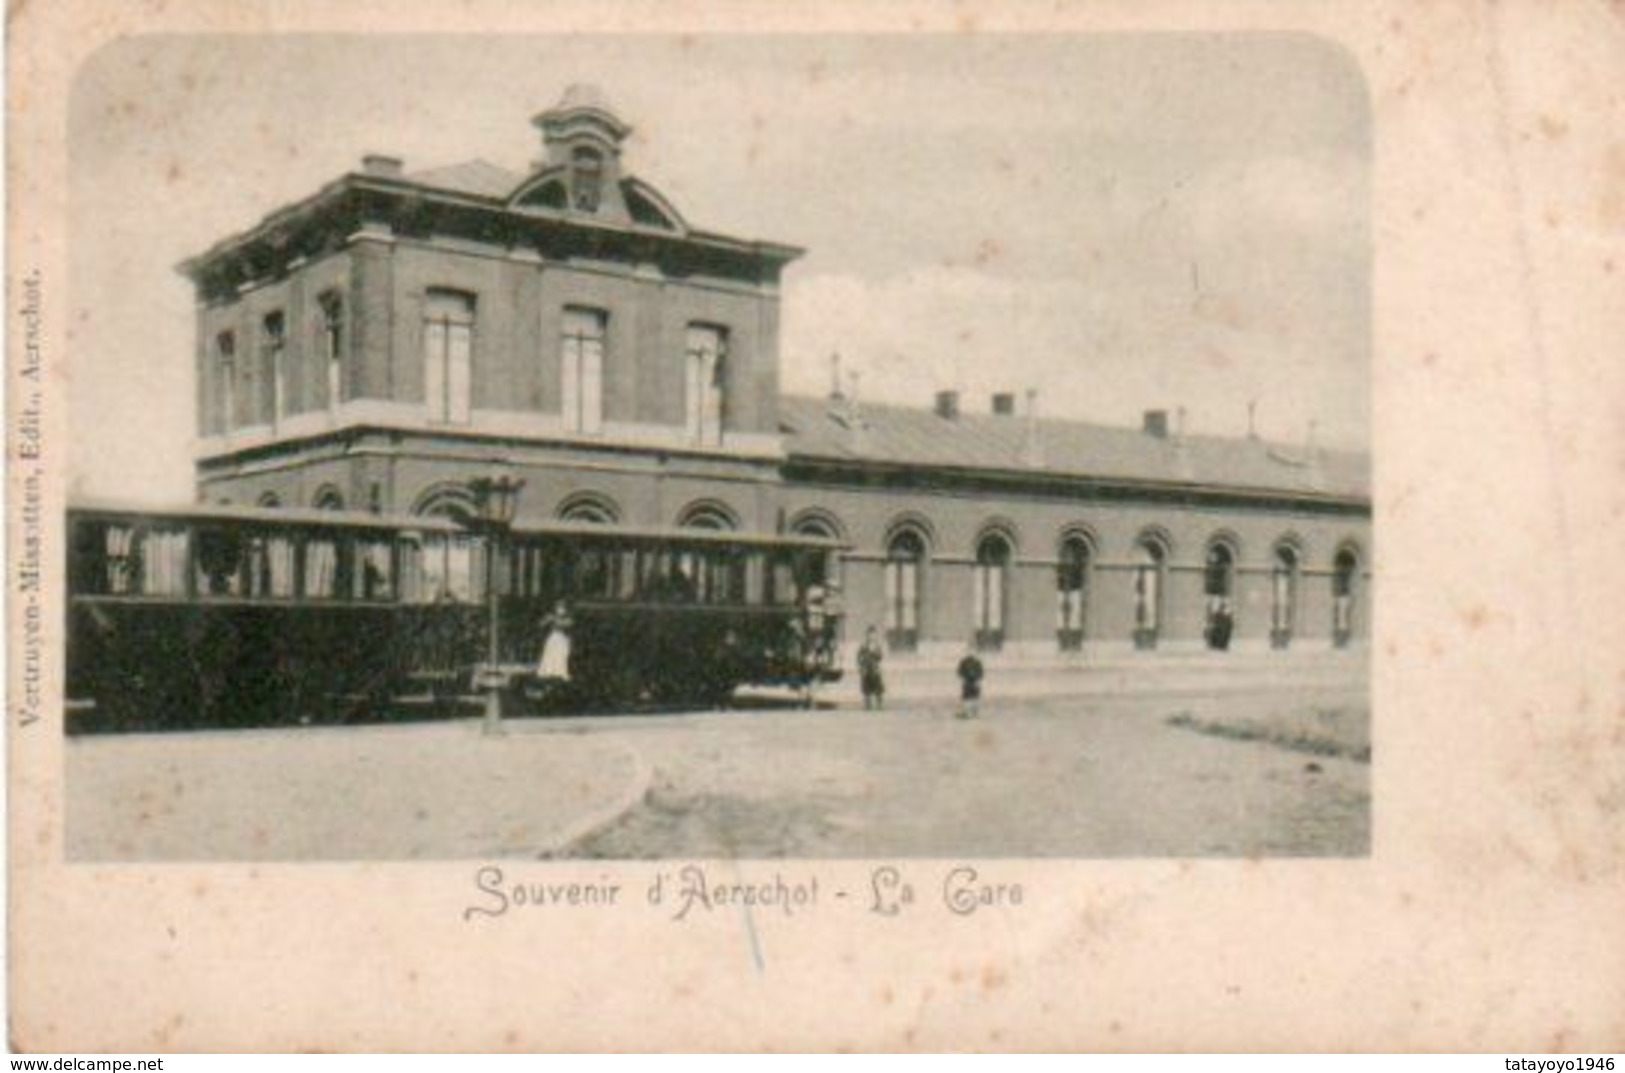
(217, 616)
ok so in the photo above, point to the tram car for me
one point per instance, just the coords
(215, 616)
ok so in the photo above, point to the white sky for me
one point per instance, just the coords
(1123, 222)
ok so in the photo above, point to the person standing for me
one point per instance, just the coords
(554, 669)
(970, 683)
(869, 676)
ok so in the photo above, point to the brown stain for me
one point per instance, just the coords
(987, 251)
(993, 977)
(985, 740)
(887, 997)
(1553, 127)
(967, 23)
(956, 975)
(816, 71)
(174, 173)
(1430, 359)
(1476, 617)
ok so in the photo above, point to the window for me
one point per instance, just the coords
(704, 374)
(904, 556)
(582, 394)
(1283, 595)
(1345, 569)
(448, 344)
(273, 357)
(1071, 593)
(1150, 557)
(586, 179)
(225, 363)
(990, 592)
(332, 346)
(1218, 585)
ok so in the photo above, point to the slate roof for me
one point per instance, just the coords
(479, 177)
(817, 429)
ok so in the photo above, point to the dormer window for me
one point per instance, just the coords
(586, 179)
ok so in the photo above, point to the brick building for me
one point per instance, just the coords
(378, 343)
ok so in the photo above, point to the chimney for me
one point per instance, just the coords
(1032, 444)
(858, 428)
(1004, 403)
(382, 165)
(1156, 424)
(948, 404)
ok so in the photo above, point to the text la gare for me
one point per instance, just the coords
(963, 891)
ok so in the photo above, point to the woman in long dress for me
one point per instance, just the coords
(555, 666)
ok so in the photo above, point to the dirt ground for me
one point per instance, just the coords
(1038, 777)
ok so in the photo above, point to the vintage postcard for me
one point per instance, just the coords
(967, 527)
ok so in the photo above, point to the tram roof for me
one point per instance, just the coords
(273, 516)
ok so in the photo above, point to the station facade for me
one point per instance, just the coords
(381, 343)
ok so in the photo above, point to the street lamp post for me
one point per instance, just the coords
(496, 497)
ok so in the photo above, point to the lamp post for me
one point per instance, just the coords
(496, 497)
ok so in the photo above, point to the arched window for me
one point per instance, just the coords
(1283, 595)
(448, 349)
(1072, 592)
(707, 516)
(589, 507)
(825, 568)
(905, 556)
(1345, 575)
(990, 599)
(1219, 587)
(328, 498)
(268, 499)
(586, 179)
(1150, 564)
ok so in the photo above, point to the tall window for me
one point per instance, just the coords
(273, 360)
(586, 179)
(225, 364)
(1071, 593)
(448, 346)
(332, 346)
(704, 374)
(1344, 570)
(990, 595)
(1150, 559)
(582, 392)
(1218, 585)
(1283, 595)
(904, 556)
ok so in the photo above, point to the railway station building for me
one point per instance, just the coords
(382, 342)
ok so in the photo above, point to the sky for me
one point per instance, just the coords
(1121, 222)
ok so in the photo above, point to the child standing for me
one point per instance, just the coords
(970, 683)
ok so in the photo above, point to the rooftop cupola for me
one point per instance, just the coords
(582, 135)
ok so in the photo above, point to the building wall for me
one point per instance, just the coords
(519, 305)
(866, 516)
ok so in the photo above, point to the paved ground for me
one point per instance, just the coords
(1038, 776)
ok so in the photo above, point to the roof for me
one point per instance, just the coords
(816, 428)
(478, 177)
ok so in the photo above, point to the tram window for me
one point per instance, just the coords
(755, 578)
(164, 562)
(123, 560)
(321, 568)
(219, 562)
(270, 566)
(375, 578)
(448, 568)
